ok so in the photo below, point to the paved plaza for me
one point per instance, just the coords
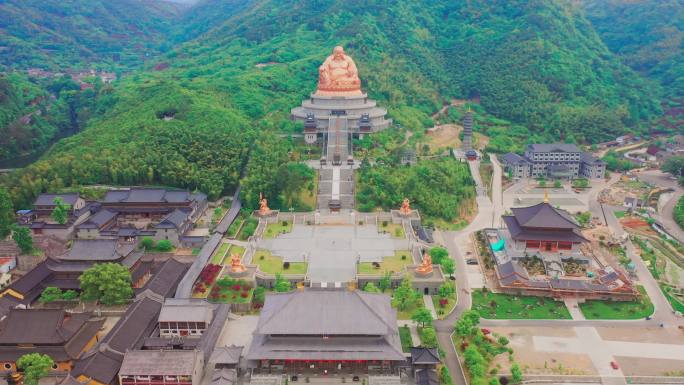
(333, 251)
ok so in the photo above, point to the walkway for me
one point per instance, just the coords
(487, 216)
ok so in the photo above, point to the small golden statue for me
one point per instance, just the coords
(405, 207)
(338, 75)
(263, 205)
(236, 265)
(425, 267)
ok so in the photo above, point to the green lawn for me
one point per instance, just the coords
(395, 230)
(619, 214)
(641, 308)
(271, 264)
(406, 341)
(275, 229)
(505, 306)
(676, 304)
(393, 264)
(217, 257)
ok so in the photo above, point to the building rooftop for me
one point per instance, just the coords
(99, 250)
(319, 312)
(552, 147)
(327, 325)
(543, 215)
(159, 362)
(588, 157)
(174, 219)
(129, 333)
(186, 310)
(49, 199)
(150, 195)
(424, 356)
(49, 331)
(226, 355)
(98, 220)
(511, 158)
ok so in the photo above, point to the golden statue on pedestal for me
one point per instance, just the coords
(426, 266)
(405, 207)
(338, 75)
(236, 265)
(263, 205)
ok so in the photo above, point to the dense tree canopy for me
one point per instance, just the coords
(439, 188)
(35, 367)
(223, 90)
(109, 283)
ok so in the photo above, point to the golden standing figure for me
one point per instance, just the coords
(405, 207)
(338, 75)
(263, 205)
(426, 266)
(236, 265)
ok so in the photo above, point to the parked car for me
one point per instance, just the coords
(614, 365)
(472, 261)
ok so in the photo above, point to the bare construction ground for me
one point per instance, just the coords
(543, 362)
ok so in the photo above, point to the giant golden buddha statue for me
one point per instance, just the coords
(338, 75)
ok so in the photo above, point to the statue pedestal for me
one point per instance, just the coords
(270, 214)
(238, 274)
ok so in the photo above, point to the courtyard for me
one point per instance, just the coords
(332, 251)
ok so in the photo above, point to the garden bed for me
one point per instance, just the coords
(406, 340)
(640, 308)
(505, 306)
(227, 290)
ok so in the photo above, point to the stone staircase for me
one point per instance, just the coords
(325, 181)
(336, 151)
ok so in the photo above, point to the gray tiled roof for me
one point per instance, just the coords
(293, 313)
(551, 147)
(543, 215)
(512, 268)
(49, 199)
(174, 219)
(159, 362)
(224, 377)
(101, 250)
(588, 157)
(511, 158)
(188, 310)
(363, 326)
(424, 356)
(226, 355)
(98, 219)
(150, 195)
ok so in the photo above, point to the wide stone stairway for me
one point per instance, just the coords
(336, 178)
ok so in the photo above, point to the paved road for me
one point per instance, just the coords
(488, 215)
(665, 214)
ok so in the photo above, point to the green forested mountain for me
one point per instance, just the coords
(646, 34)
(229, 87)
(54, 34)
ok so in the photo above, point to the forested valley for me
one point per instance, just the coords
(202, 101)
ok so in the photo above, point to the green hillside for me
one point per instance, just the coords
(537, 64)
(54, 34)
(646, 34)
